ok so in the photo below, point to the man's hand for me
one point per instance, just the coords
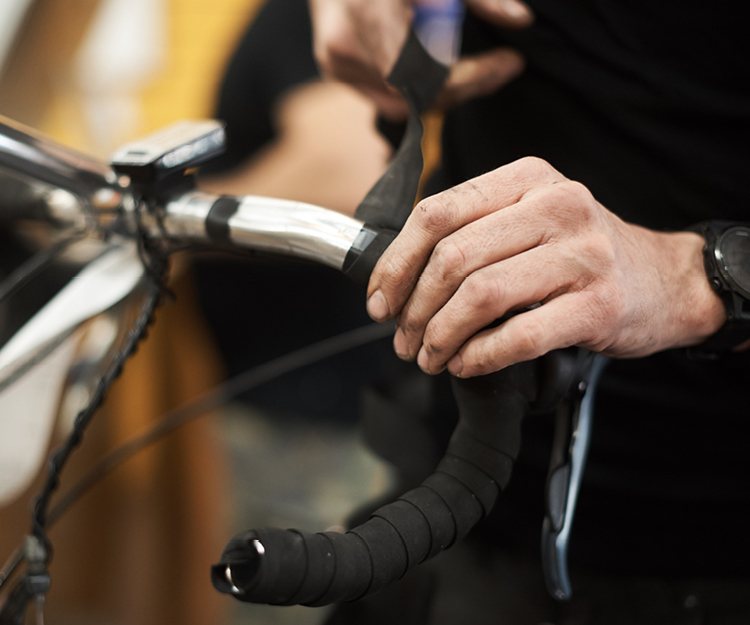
(358, 41)
(524, 235)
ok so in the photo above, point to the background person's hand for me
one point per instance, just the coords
(524, 234)
(358, 41)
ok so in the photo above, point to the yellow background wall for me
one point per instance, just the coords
(36, 86)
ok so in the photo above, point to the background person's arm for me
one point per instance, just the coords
(358, 42)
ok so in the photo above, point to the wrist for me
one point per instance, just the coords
(704, 312)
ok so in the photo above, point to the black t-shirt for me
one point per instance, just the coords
(648, 105)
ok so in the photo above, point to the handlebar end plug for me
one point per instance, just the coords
(240, 565)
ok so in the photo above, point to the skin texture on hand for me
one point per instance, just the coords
(358, 42)
(524, 235)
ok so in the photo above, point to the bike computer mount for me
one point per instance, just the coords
(162, 158)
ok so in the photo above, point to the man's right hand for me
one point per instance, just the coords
(358, 41)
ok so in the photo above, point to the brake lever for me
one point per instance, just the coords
(573, 421)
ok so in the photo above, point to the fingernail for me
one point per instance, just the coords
(456, 365)
(377, 306)
(401, 345)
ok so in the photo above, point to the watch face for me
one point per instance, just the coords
(733, 254)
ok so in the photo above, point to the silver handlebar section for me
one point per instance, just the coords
(267, 225)
(72, 190)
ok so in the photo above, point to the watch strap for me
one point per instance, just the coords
(736, 330)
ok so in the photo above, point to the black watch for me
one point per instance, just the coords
(726, 257)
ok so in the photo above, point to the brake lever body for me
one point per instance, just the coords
(573, 422)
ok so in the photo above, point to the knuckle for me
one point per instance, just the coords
(480, 359)
(577, 200)
(601, 308)
(602, 251)
(394, 278)
(388, 271)
(434, 339)
(409, 325)
(575, 189)
(531, 337)
(436, 214)
(535, 167)
(482, 293)
(391, 266)
(570, 205)
(607, 302)
(593, 266)
(449, 259)
(590, 262)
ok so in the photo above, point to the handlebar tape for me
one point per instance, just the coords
(288, 567)
(419, 78)
(368, 247)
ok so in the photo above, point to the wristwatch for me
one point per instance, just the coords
(726, 257)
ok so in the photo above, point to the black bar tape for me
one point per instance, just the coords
(492, 406)
(279, 580)
(364, 254)
(464, 507)
(438, 515)
(319, 554)
(318, 569)
(419, 77)
(417, 74)
(495, 463)
(483, 486)
(412, 528)
(387, 552)
(353, 570)
(217, 220)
